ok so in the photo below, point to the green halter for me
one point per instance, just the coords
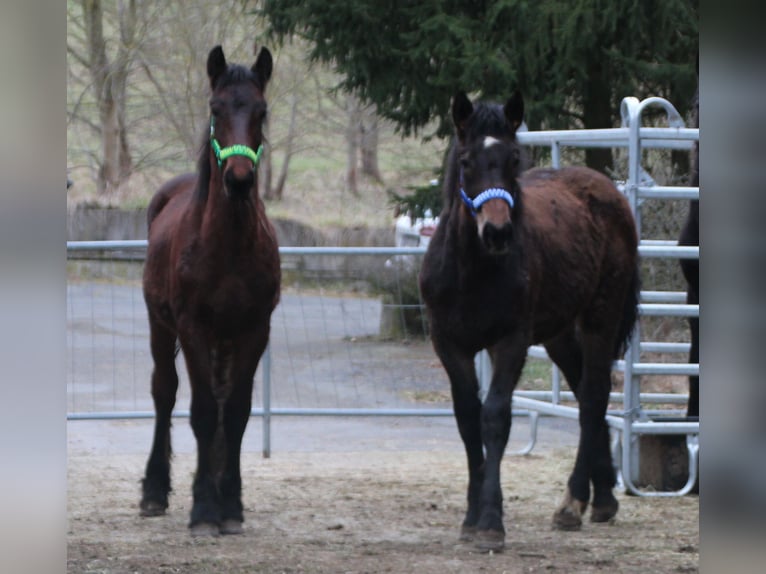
(222, 154)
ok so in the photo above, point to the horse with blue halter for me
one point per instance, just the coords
(546, 256)
(211, 282)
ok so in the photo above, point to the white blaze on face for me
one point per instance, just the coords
(490, 141)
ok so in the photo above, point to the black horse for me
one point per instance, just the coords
(690, 235)
(547, 256)
(211, 282)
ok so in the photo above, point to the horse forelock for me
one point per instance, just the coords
(488, 123)
(487, 119)
(236, 74)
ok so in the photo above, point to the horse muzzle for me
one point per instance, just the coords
(495, 226)
(239, 179)
(497, 238)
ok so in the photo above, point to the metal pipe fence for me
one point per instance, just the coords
(634, 419)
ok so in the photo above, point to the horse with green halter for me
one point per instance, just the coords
(211, 282)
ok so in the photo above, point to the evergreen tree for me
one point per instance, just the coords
(573, 60)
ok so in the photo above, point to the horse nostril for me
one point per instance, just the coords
(497, 239)
(239, 182)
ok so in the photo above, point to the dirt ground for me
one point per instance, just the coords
(359, 510)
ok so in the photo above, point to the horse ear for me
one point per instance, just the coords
(263, 67)
(216, 65)
(514, 110)
(462, 108)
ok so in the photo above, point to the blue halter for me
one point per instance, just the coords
(492, 193)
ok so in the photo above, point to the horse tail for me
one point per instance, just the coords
(629, 312)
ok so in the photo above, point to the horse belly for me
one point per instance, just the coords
(559, 304)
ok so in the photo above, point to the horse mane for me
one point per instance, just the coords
(488, 119)
(235, 74)
(203, 168)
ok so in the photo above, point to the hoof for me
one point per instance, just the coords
(489, 540)
(569, 514)
(467, 533)
(151, 508)
(567, 519)
(204, 529)
(605, 512)
(231, 527)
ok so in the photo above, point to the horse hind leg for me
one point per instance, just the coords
(587, 369)
(565, 352)
(594, 451)
(156, 483)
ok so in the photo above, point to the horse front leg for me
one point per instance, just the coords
(205, 516)
(155, 485)
(235, 418)
(508, 359)
(466, 406)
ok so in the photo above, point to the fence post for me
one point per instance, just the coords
(266, 364)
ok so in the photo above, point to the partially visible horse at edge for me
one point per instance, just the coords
(690, 235)
(546, 256)
(211, 281)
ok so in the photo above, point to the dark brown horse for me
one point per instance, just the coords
(690, 235)
(547, 256)
(211, 282)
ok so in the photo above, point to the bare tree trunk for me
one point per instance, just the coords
(128, 21)
(369, 144)
(352, 143)
(597, 113)
(109, 171)
(109, 83)
(280, 187)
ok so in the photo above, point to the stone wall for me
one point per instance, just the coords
(85, 223)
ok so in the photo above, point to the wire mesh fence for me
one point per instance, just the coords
(348, 333)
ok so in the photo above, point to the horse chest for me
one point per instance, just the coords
(470, 309)
(234, 300)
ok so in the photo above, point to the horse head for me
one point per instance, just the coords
(237, 113)
(489, 162)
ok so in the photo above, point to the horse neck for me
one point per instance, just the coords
(461, 236)
(233, 226)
